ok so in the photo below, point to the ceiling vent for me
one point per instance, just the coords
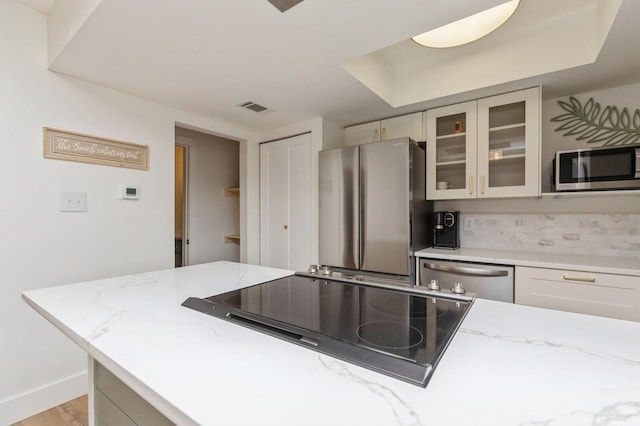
(254, 107)
(284, 5)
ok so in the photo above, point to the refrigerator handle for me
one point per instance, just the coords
(359, 217)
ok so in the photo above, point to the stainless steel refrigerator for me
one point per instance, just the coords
(373, 209)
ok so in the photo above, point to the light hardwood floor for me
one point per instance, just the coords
(72, 413)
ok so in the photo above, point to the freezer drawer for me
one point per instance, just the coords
(487, 281)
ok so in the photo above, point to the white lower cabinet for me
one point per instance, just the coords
(607, 295)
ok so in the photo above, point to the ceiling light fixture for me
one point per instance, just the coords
(468, 29)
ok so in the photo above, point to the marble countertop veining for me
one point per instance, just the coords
(507, 365)
(596, 264)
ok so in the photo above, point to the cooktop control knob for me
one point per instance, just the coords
(325, 270)
(313, 269)
(433, 285)
(458, 289)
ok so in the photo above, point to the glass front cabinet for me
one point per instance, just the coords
(488, 148)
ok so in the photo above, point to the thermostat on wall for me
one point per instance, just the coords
(128, 192)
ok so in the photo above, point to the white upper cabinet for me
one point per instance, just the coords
(451, 151)
(362, 133)
(509, 145)
(409, 125)
(488, 148)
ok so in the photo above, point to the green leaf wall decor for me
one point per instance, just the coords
(594, 124)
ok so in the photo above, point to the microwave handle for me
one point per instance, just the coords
(637, 163)
(466, 270)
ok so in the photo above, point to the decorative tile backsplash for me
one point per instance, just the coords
(589, 234)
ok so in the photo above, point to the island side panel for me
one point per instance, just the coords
(116, 404)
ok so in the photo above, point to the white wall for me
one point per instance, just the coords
(41, 246)
(622, 97)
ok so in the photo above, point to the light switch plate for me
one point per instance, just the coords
(73, 201)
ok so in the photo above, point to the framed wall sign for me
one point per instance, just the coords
(70, 146)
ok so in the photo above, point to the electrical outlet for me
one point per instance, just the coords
(467, 224)
(73, 201)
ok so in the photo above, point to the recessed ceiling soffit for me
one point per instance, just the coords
(543, 36)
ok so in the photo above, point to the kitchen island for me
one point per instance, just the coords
(507, 365)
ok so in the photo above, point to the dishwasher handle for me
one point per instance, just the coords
(466, 270)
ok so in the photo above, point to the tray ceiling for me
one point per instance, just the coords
(347, 61)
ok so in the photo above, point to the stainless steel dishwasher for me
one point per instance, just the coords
(486, 281)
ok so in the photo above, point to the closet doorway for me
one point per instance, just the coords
(210, 228)
(286, 203)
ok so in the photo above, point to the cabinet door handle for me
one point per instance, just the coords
(384, 134)
(286, 227)
(581, 279)
(470, 184)
(375, 135)
(482, 184)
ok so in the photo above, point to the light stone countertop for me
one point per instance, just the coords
(507, 365)
(574, 262)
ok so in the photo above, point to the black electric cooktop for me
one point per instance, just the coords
(395, 332)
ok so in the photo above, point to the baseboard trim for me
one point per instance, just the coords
(33, 402)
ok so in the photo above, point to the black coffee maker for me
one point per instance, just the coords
(446, 230)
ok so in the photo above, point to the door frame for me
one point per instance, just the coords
(185, 203)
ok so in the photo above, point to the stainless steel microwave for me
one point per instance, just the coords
(597, 169)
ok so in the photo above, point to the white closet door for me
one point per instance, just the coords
(285, 203)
